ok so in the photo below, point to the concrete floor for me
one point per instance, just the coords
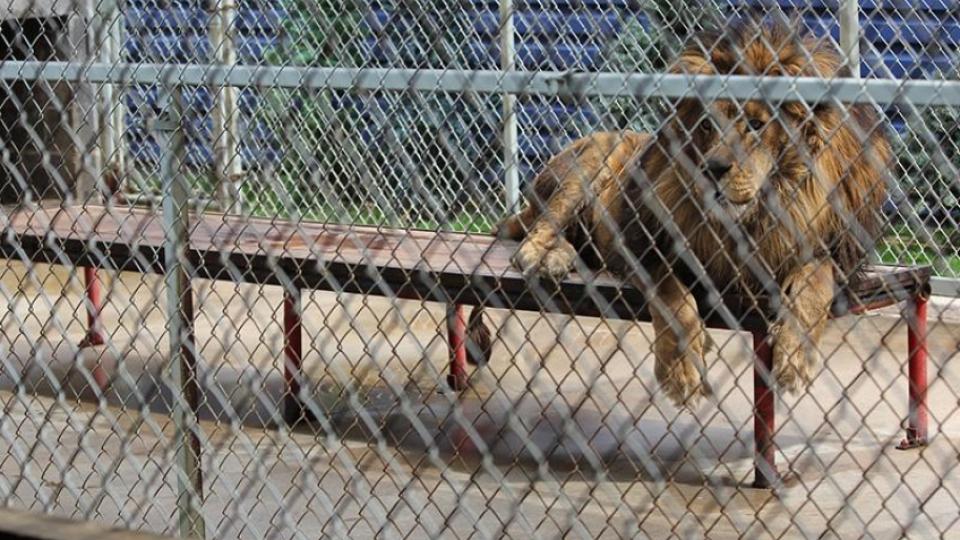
(563, 434)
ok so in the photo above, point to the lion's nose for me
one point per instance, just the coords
(716, 169)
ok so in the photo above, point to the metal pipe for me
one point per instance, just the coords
(918, 92)
(94, 335)
(91, 287)
(457, 342)
(293, 407)
(183, 374)
(850, 34)
(227, 164)
(916, 317)
(112, 147)
(511, 173)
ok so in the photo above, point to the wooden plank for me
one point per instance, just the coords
(423, 265)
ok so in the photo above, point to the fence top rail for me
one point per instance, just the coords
(549, 83)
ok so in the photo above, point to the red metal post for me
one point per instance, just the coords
(92, 287)
(293, 408)
(94, 337)
(917, 350)
(456, 337)
(764, 415)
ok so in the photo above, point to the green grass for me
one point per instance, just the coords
(267, 203)
(903, 246)
(462, 222)
(947, 266)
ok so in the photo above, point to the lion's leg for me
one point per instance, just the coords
(808, 294)
(546, 248)
(515, 227)
(680, 342)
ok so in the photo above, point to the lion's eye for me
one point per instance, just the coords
(755, 124)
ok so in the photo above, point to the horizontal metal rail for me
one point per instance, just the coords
(641, 85)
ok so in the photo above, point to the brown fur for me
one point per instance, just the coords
(784, 202)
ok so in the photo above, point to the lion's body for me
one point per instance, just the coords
(785, 200)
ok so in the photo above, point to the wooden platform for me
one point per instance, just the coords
(424, 265)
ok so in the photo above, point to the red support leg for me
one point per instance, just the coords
(294, 410)
(456, 336)
(92, 286)
(917, 351)
(765, 467)
(94, 337)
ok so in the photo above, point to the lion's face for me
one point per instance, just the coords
(731, 152)
(791, 177)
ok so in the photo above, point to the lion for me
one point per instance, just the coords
(782, 203)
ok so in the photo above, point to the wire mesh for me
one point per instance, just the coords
(299, 303)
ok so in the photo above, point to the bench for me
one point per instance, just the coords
(452, 268)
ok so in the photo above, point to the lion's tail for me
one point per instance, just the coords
(478, 338)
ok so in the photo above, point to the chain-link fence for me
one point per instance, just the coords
(455, 269)
(289, 134)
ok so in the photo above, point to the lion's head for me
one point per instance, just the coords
(792, 175)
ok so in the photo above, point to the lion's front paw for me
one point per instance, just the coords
(559, 260)
(679, 348)
(680, 381)
(679, 372)
(795, 360)
(549, 260)
(529, 255)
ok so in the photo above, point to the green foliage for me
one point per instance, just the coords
(928, 155)
(903, 245)
(648, 48)
(929, 158)
(636, 50)
(320, 33)
(349, 156)
(307, 124)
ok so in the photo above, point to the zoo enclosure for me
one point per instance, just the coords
(469, 100)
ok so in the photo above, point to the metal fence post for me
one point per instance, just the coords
(228, 168)
(850, 34)
(509, 134)
(109, 36)
(83, 112)
(183, 375)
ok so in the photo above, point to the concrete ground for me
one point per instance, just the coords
(563, 434)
